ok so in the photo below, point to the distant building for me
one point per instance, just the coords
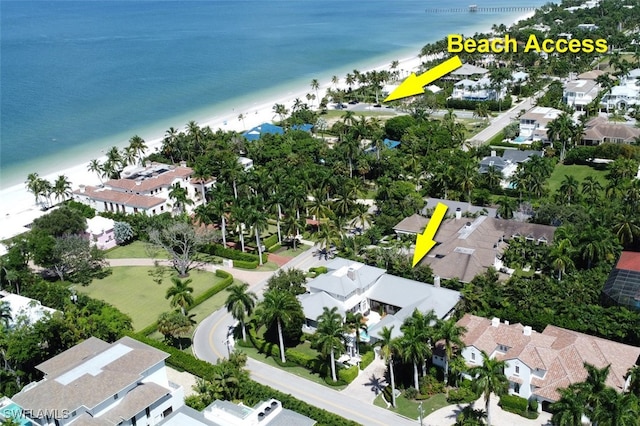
(623, 285)
(97, 383)
(453, 206)
(508, 163)
(579, 93)
(263, 129)
(467, 71)
(626, 94)
(600, 130)
(480, 90)
(140, 190)
(468, 247)
(100, 232)
(539, 364)
(24, 309)
(533, 123)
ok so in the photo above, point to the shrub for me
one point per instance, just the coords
(411, 393)
(367, 359)
(514, 402)
(533, 405)
(319, 270)
(274, 248)
(270, 241)
(338, 382)
(491, 105)
(87, 211)
(429, 385)
(245, 265)
(462, 395)
(220, 251)
(348, 375)
(215, 289)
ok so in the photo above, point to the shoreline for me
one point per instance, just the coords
(18, 205)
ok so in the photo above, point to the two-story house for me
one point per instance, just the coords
(579, 93)
(538, 364)
(97, 383)
(533, 123)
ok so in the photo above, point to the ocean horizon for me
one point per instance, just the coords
(80, 77)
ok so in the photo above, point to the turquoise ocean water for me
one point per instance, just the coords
(77, 77)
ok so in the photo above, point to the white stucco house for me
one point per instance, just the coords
(24, 310)
(538, 364)
(533, 123)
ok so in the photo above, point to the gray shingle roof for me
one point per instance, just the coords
(313, 303)
(347, 278)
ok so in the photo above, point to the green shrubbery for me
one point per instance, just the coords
(274, 248)
(245, 264)
(235, 255)
(517, 405)
(319, 270)
(270, 241)
(348, 375)
(463, 395)
(471, 105)
(366, 359)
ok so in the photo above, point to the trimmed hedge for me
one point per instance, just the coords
(221, 251)
(367, 359)
(274, 248)
(514, 402)
(252, 392)
(491, 105)
(245, 265)
(348, 375)
(270, 241)
(319, 270)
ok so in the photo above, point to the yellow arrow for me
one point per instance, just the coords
(413, 85)
(425, 241)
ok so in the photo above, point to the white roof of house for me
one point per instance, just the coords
(468, 69)
(23, 307)
(312, 304)
(98, 224)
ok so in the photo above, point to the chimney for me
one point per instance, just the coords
(436, 280)
(526, 330)
(351, 273)
(183, 164)
(81, 187)
(493, 153)
(495, 322)
(506, 322)
(458, 213)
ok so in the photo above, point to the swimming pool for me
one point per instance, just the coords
(364, 336)
(520, 139)
(14, 411)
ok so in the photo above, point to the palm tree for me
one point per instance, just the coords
(633, 375)
(201, 173)
(451, 333)
(62, 188)
(617, 409)
(95, 167)
(626, 228)
(240, 304)
(258, 219)
(292, 225)
(355, 324)
(468, 176)
(180, 197)
(506, 207)
(591, 189)
(280, 110)
(181, 294)
(414, 343)
(561, 258)
(489, 378)
(5, 314)
(138, 146)
(278, 306)
(561, 129)
(569, 409)
(388, 347)
(593, 388)
(241, 118)
(470, 416)
(34, 185)
(315, 86)
(330, 336)
(568, 188)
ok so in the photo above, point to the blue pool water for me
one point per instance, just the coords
(14, 411)
(520, 139)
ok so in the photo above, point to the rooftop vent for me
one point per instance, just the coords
(526, 330)
(495, 322)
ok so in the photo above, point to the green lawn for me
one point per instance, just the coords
(409, 408)
(579, 172)
(298, 371)
(300, 248)
(135, 250)
(133, 291)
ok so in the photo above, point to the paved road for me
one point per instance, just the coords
(210, 343)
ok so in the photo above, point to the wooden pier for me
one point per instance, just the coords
(475, 9)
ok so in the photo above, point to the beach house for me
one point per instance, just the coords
(24, 310)
(468, 247)
(625, 95)
(141, 189)
(97, 383)
(538, 364)
(100, 232)
(507, 163)
(600, 130)
(533, 123)
(579, 93)
(382, 298)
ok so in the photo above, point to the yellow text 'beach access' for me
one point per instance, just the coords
(456, 43)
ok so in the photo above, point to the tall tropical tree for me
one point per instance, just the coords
(388, 348)
(506, 207)
(561, 129)
(569, 409)
(180, 294)
(138, 146)
(180, 197)
(561, 258)
(35, 185)
(415, 343)
(355, 323)
(201, 173)
(470, 416)
(315, 86)
(451, 334)
(330, 336)
(258, 219)
(633, 375)
(62, 188)
(617, 409)
(277, 306)
(95, 167)
(240, 304)
(591, 189)
(489, 378)
(568, 188)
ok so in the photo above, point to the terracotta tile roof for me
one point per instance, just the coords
(559, 352)
(118, 197)
(629, 261)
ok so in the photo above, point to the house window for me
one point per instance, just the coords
(166, 412)
(473, 356)
(516, 388)
(147, 411)
(115, 396)
(133, 421)
(517, 369)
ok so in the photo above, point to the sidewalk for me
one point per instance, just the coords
(369, 382)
